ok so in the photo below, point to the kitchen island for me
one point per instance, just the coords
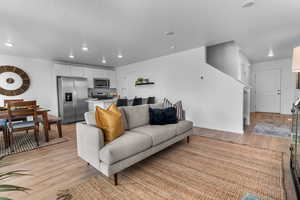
(103, 103)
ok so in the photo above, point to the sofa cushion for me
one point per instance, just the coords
(158, 133)
(127, 145)
(137, 115)
(183, 126)
(156, 106)
(90, 118)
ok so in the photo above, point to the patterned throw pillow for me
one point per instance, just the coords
(177, 105)
(179, 110)
(167, 103)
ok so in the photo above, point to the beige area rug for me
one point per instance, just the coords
(26, 142)
(205, 169)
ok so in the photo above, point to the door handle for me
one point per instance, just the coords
(278, 92)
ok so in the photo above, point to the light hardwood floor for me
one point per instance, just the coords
(57, 167)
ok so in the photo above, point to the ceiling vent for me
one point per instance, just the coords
(248, 3)
(169, 33)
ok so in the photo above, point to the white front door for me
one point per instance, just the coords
(268, 91)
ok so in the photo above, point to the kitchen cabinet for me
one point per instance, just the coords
(113, 79)
(84, 72)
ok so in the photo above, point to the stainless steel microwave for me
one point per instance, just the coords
(101, 83)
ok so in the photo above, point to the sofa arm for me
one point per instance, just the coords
(90, 140)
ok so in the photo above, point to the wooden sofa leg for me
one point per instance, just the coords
(88, 164)
(116, 179)
(188, 139)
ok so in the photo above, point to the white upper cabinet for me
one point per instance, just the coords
(62, 70)
(89, 73)
(78, 71)
(113, 78)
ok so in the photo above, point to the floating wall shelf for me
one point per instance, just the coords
(150, 83)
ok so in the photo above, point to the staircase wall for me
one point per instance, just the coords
(211, 98)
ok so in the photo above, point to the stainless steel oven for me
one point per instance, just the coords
(101, 83)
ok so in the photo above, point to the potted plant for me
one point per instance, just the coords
(7, 175)
(139, 81)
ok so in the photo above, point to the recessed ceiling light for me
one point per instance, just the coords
(120, 55)
(84, 47)
(173, 47)
(103, 60)
(169, 33)
(248, 3)
(271, 53)
(71, 56)
(8, 44)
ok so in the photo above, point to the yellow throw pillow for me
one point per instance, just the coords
(110, 121)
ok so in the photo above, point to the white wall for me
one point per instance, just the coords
(215, 102)
(42, 74)
(245, 68)
(228, 58)
(288, 82)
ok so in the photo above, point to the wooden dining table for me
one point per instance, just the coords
(40, 111)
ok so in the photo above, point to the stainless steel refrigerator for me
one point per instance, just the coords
(72, 96)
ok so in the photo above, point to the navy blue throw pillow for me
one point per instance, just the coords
(170, 115)
(156, 116)
(162, 116)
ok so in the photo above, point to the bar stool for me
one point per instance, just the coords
(151, 100)
(122, 102)
(137, 101)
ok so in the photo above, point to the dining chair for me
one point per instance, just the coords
(137, 101)
(21, 118)
(151, 100)
(122, 102)
(6, 101)
(24, 108)
(3, 128)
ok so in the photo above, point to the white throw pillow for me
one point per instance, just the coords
(90, 118)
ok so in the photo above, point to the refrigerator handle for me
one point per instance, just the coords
(75, 100)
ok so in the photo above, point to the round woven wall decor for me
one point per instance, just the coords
(14, 81)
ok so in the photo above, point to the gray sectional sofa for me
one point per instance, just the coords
(139, 141)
